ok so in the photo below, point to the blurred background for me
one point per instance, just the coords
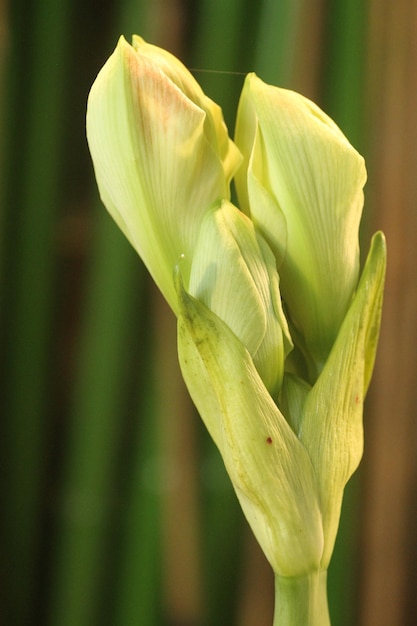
(116, 510)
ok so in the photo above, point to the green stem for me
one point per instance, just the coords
(301, 601)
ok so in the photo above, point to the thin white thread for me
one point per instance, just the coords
(193, 69)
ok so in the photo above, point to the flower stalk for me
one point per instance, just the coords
(302, 601)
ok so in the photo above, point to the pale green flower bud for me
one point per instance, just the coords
(287, 424)
(301, 183)
(234, 274)
(161, 153)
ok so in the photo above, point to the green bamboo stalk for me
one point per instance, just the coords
(223, 534)
(36, 92)
(275, 53)
(216, 48)
(80, 572)
(138, 573)
(95, 432)
(343, 72)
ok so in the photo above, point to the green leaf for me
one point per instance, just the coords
(332, 428)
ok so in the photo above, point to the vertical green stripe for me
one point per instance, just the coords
(94, 439)
(32, 155)
(276, 41)
(216, 52)
(343, 93)
(84, 591)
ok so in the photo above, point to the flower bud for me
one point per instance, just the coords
(301, 183)
(161, 154)
(234, 274)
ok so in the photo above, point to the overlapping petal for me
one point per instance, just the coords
(234, 274)
(214, 126)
